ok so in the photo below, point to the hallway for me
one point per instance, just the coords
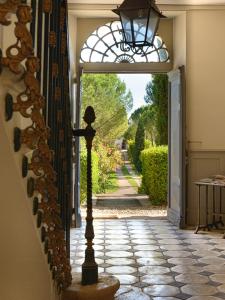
(154, 260)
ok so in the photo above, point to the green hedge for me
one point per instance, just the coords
(131, 149)
(148, 144)
(83, 175)
(154, 170)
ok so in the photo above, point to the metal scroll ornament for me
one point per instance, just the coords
(89, 267)
(6, 8)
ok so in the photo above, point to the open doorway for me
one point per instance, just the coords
(130, 151)
(177, 167)
(101, 51)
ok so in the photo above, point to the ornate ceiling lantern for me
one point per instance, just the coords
(140, 21)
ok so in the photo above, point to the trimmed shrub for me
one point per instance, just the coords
(83, 175)
(131, 149)
(154, 170)
(148, 144)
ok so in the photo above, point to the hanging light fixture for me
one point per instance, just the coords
(140, 21)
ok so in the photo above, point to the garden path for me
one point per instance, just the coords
(125, 189)
(134, 175)
(126, 202)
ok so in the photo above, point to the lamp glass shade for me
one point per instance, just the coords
(127, 28)
(139, 23)
(152, 26)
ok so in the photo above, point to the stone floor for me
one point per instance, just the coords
(155, 260)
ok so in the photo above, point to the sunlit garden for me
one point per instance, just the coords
(142, 132)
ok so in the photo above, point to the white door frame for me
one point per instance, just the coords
(149, 69)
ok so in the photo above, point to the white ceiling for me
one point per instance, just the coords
(174, 2)
(103, 8)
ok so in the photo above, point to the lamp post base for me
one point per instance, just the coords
(89, 274)
(106, 288)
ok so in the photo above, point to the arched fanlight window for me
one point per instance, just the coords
(106, 45)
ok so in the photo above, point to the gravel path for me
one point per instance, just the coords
(139, 212)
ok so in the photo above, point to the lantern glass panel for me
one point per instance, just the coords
(140, 26)
(152, 26)
(126, 23)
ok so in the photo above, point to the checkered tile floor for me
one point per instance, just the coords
(155, 260)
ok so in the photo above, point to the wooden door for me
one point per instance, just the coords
(177, 148)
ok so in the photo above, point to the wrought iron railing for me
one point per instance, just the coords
(52, 50)
(41, 53)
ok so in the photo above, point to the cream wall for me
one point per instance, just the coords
(7, 36)
(24, 272)
(199, 43)
(206, 80)
(179, 39)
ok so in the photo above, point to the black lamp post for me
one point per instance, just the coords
(89, 267)
(140, 21)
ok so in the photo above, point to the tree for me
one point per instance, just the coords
(139, 144)
(130, 132)
(148, 118)
(157, 97)
(147, 115)
(110, 100)
(136, 115)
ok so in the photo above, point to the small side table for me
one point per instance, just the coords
(216, 215)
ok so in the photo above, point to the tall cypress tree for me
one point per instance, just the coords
(139, 144)
(157, 96)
